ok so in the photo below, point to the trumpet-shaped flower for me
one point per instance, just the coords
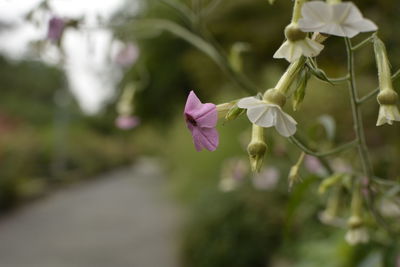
(388, 114)
(266, 114)
(342, 19)
(297, 45)
(292, 51)
(201, 120)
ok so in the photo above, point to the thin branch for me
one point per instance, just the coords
(363, 43)
(319, 154)
(162, 24)
(395, 76)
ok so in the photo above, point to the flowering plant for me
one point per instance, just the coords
(307, 35)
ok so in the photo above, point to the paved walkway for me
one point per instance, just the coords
(123, 219)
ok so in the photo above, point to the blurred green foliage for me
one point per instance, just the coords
(248, 227)
(44, 144)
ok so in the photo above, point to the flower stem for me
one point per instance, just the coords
(297, 10)
(311, 152)
(383, 65)
(395, 76)
(363, 43)
(357, 116)
(288, 77)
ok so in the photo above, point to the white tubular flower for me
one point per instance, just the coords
(357, 236)
(388, 111)
(266, 114)
(388, 114)
(292, 51)
(297, 45)
(342, 19)
(387, 97)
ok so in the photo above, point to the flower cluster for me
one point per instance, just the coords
(311, 24)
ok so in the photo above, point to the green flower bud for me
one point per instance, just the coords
(257, 148)
(224, 108)
(387, 97)
(275, 97)
(354, 222)
(293, 33)
(294, 173)
(233, 113)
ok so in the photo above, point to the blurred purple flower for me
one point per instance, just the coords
(56, 27)
(339, 165)
(201, 120)
(127, 55)
(234, 170)
(127, 122)
(267, 179)
(313, 165)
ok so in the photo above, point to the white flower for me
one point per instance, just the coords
(356, 236)
(266, 115)
(292, 51)
(388, 114)
(342, 19)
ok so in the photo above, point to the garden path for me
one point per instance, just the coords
(121, 219)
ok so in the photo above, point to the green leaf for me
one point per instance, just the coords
(318, 73)
(300, 90)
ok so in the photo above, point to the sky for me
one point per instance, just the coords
(88, 63)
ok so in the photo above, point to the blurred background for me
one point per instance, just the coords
(97, 167)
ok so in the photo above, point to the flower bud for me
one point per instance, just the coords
(257, 148)
(387, 97)
(294, 173)
(224, 108)
(234, 112)
(357, 233)
(275, 97)
(355, 222)
(293, 33)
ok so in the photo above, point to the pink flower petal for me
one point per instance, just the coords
(201, 120)
(205, 115)
(192, 103)
(205, 138)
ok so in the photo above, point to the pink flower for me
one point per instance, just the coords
(314, 166)
(127, 122)
(201, 120)
(56, 28)
(127, 55)
(267, 179)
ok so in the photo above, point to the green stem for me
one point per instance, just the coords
(383, 65)
(302, 146)
(239, 79)
(363, 43)
(357, 116)
(339, 79)
(395, 76)
(297, 10)
(288, 77)
(311, 152)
